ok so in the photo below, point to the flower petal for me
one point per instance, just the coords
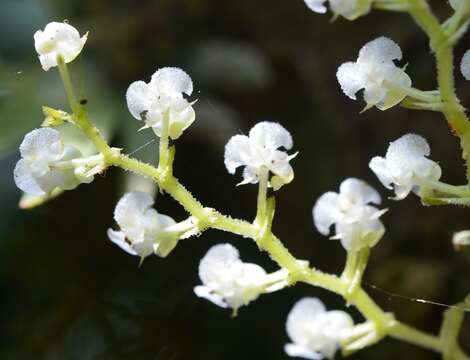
(271, 136)
(25, 180)
(217, 259)
(379, 166)
(465, 65)
(300, 318)
(139, 97)
(359, 192)
(119, 238)
(172, 80)
(44, 142)
(350, 79)
(294, 350)
(325, 212)
(381, 49)
(316, 6)
(206, 293)
(237, 153)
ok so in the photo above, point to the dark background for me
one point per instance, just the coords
(68, 293)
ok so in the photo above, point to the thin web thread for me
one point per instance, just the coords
(417, 300)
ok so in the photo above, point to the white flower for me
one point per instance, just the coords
(143, 230)
(349, 9)
(163, 96)
(465, 65)
(316, 5)
(356, 223)
(38, 172)
(405, 165)
(315, 332)
(375, 72)
(229, 282)
(260, 149)
(58, 39)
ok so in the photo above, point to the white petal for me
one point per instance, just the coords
(271, 136)
(350, 9)
(206, 293)
(294, 350)
(253, 276)
(381, 49)
(374, 94)
(172, 80)
(359, 191)
(400, 78)
(339, 323)
(301, 317)
(326, 212)
(132, 204)
(350, 79)
(44, 142)
(250, 176)
(465, 65)
(406, 149)
(237, 153)
(119, 239)
(316, 6)
(217, 259)
(25, 180)
(379, 166)
(139, 98)
(180, 120)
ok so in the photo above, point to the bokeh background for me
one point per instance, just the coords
(68, 293)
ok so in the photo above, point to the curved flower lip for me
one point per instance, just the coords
(208, 294)
(161, 97)
(374, 71)
(260, 151)
(295, 350)
(58, 39)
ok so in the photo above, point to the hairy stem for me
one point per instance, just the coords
(442, 46)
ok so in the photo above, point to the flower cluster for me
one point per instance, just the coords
(229, 282)
(383, 82)
(314, 331)
(163, 97)
(349, 9)
(352, 214)
(356, 223)
(406, 165)
(58, 40)
(46, 164)
(260, 151)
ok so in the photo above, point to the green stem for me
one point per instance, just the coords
(163, 147)
(80, 116)
(262, 194)
(442, 46)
